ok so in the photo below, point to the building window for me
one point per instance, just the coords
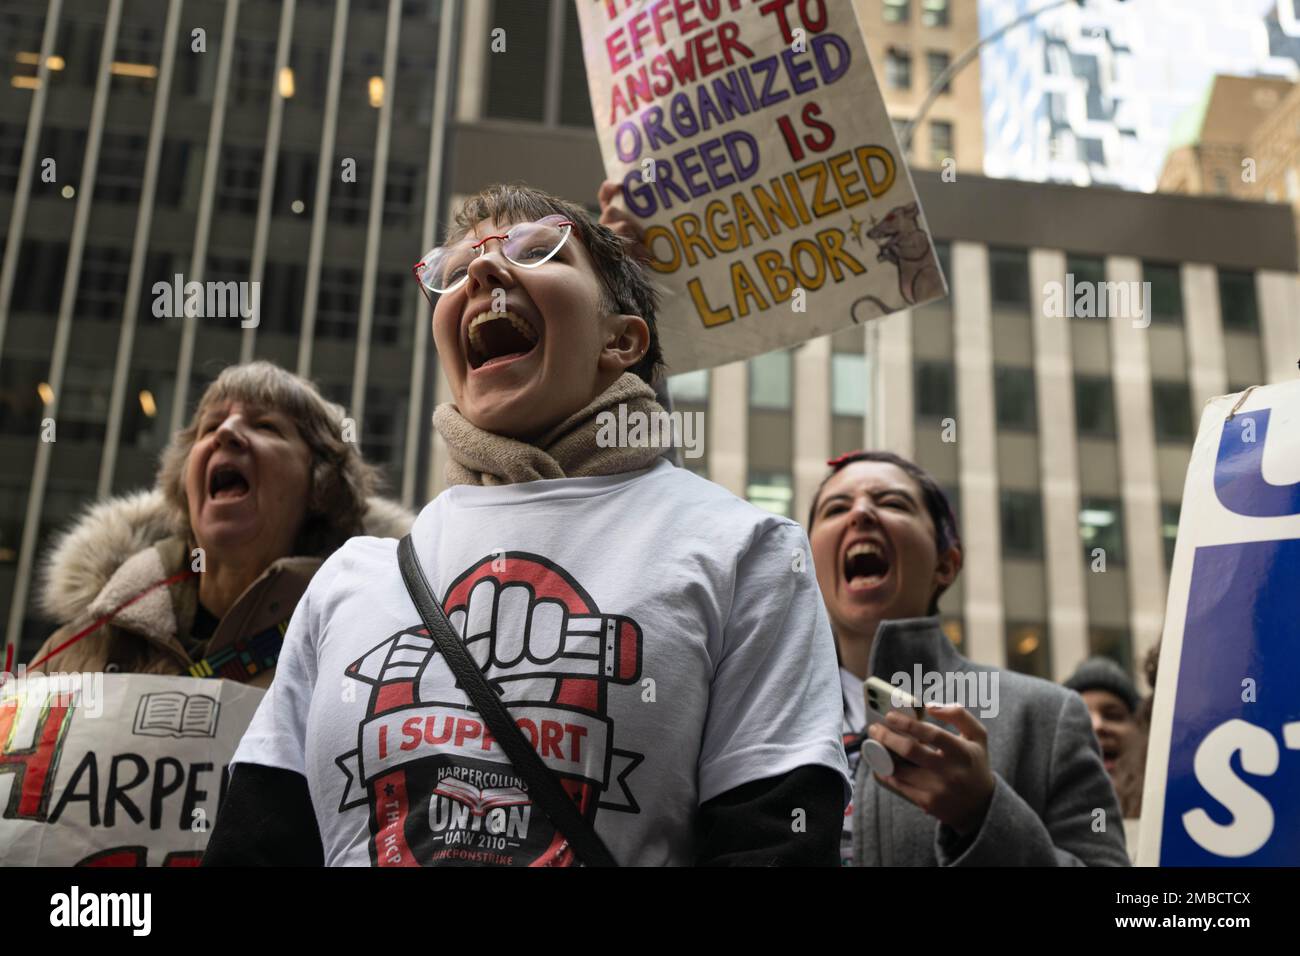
(173, 169)
(936, 62)
(1014, 393)
(11, 155)
(953, 494)
(769, 381)
(900, 125)
(1059, 146)
(936, 390)
(157, 268)
(898, 68)
(102, 283)
(514, 82)
(1087, 270)
(295, 182)
(1170, 512)
(41, 265)
(387, 322)
(134, 60)
(1166, 305)
(1237, 302)
(690, 387)
(21, 402)
(1101, 526)
(1172, 405)
(338, 303)
(1022, 524)
(282, 290)
(20, 45)
(1094, 407)
(848, 384)
(1112, 642)
(1009, 274)
(384, 429)
(400, 197)
(771, 491)
(940, 142)
(350, 202)
(254, 66)
(934, 13)
(240, 179)
(1027, 649)
(148, 403)
(121, 168)
(943, 252)
(1009, 279)
(575, 94)
(83, 404)
(897, 11)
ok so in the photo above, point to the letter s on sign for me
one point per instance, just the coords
(1252, 814)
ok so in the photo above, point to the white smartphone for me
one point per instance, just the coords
(882, 697)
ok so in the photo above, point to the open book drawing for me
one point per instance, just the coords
(174, 714)
(480, 801)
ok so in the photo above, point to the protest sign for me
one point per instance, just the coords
(751, 139)
(115, 769)
(1223, 764)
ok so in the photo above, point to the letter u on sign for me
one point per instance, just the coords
(1239, 476)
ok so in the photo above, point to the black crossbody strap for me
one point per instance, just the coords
(544, 787)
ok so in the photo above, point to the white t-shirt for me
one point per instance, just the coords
(661, 642)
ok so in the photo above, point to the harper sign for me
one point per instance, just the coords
(751, 138)
(130, 774)
(1223, 766)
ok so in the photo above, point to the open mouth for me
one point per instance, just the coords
(226, 483)
(496, 337)
(865, 565)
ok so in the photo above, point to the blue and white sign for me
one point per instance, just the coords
(1223, 769)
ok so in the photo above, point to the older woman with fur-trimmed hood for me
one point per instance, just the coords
(201, 574)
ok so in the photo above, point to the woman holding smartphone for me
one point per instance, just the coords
(1014, 778)
(1018, 781)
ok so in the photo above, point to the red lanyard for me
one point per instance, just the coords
(165, 582)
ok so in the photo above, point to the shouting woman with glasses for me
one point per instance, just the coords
(580, 654)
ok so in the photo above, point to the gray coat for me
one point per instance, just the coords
(1049, 778)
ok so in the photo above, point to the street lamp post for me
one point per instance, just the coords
(958, 64)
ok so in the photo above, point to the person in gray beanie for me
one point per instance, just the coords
(1112, 701)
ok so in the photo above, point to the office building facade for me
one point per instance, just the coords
(289, 149)
(1093, 93)
(911, 43)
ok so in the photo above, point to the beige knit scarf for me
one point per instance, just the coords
(569, 450)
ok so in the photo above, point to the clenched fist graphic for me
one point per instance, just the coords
(440, 788)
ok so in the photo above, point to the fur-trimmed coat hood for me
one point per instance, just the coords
(85, 556)
(122, 575)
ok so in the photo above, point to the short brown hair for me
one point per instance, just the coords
(340, 479)
(624, 283)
